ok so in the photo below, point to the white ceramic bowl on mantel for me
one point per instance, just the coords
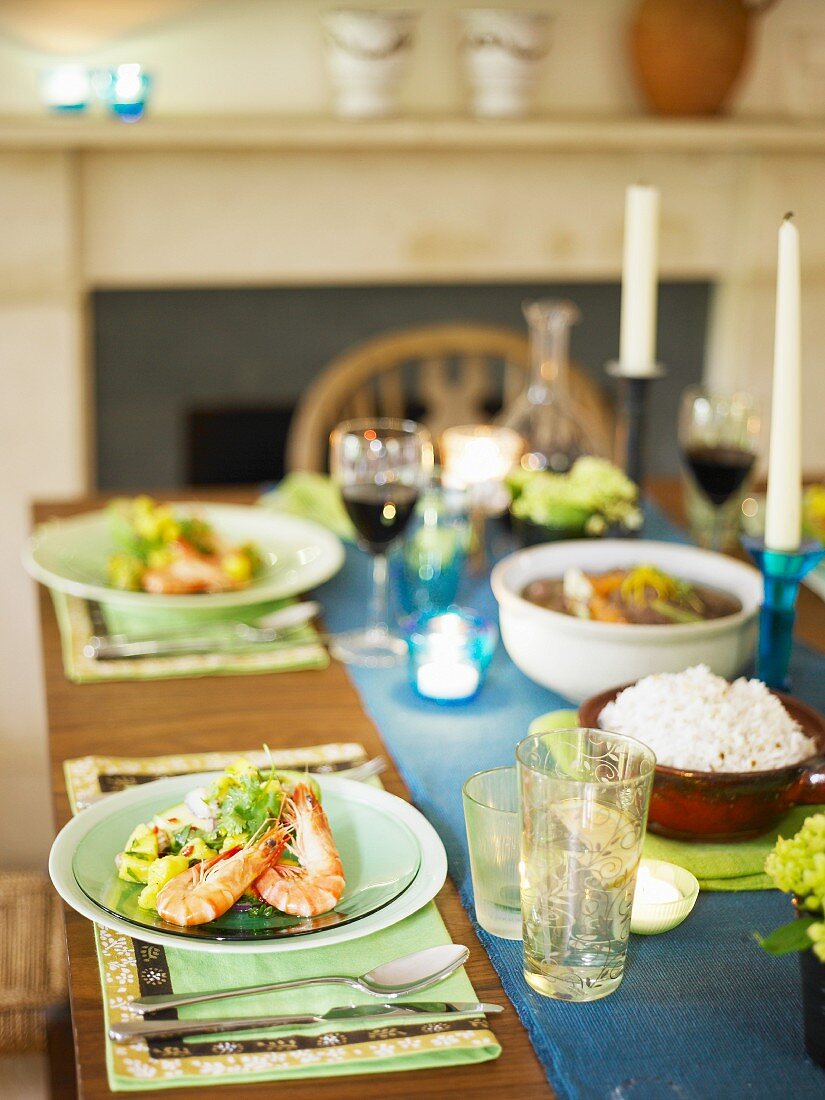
(578, 658)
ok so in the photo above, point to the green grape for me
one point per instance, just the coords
(797, 865)
(817, 934)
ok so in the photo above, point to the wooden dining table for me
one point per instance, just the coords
(285, 710)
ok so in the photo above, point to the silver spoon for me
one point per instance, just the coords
(388, 981)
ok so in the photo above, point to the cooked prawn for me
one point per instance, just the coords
(208, 889)
(314, 886)
(189, 571)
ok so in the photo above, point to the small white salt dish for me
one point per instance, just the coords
(665, 894)
(449, 653)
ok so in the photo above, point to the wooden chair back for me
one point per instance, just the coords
(443, 375)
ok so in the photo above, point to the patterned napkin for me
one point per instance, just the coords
(75, 618)
(131, 968)
(717, 866)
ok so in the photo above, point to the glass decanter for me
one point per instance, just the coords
(543, 412)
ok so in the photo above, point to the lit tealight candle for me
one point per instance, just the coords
(127, 89)
(447, 680)
(479, 457)
(66, 88)
(450, 653)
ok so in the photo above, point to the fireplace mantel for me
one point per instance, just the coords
(615, 133)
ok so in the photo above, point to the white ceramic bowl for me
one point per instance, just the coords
(578, 658)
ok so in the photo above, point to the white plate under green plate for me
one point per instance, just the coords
(71, 555)
(393, 859)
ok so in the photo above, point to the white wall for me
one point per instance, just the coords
(40, 405)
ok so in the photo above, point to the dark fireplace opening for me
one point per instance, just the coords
(198, 386)
(236, 444)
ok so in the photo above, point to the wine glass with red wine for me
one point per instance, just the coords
(718, 438)
(381, 466)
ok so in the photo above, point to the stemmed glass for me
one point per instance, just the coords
(718, 438)
(381, 466)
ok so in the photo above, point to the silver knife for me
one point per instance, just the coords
(156, 1029)
(271, 628)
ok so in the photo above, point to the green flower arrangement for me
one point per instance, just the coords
(813, 512)
(797, 866)
(593, 496)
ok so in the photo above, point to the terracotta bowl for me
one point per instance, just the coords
(692, 805)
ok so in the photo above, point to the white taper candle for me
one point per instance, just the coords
(637, 343)
(783, 506)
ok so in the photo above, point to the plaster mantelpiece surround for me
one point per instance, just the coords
(161, 204)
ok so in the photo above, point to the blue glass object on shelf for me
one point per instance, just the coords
(125, 90)
(782, 572)
(66, 89)
(426, 568)
(450, 652)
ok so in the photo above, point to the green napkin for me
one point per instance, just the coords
(129, 968)
(76, 627)
(731, 866)
(311, 496)
(717, 866)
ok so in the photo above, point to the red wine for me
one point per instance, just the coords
(379, 512)
(720, 471)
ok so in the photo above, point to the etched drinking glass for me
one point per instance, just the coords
(584, 798)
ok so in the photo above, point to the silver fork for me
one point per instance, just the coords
(361, 772)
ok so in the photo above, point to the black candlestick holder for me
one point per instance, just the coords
(635, 390)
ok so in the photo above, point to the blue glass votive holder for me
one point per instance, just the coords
(125, 90)
(782, 572)
(450, 652)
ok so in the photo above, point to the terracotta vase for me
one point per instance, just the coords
(688, 54)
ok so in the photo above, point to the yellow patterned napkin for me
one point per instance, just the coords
(131, 968)
(76, 628)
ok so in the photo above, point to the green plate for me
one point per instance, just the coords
(380, 854)
(71, 555)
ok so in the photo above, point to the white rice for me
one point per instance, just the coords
(697, 721)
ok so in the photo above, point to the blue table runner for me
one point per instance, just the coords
(702, 1012)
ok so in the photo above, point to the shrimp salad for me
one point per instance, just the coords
(162, 552)
(253, 838)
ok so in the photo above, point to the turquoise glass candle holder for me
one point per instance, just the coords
(125, 90)
(450, 652)
(782, 572)
(427, 566)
